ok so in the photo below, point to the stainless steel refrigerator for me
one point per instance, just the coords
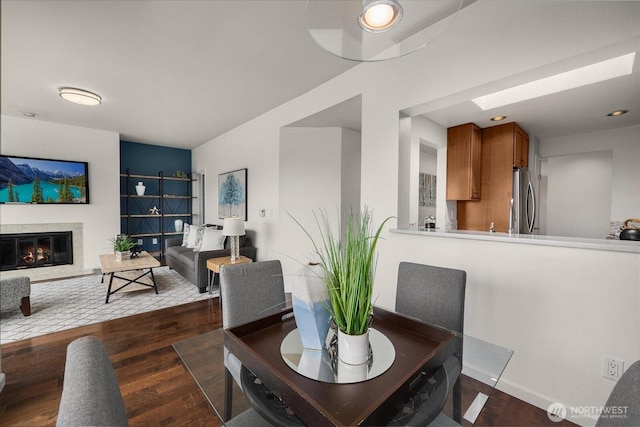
(523, 204)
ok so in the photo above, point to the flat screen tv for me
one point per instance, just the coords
(43, 181)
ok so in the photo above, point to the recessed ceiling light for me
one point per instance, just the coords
(617, 113)
(80, 96)
(29, 114)
(380, 15)
(498, 118)
(605, 70)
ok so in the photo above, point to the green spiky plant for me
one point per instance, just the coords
(349, 268)
(123, 243)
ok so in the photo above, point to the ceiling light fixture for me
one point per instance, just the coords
(80, 96)
(617, 113)
(594, 73)
(380, 15)
(377, 30)
(498, 118)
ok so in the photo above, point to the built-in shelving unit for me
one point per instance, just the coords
(173, 198)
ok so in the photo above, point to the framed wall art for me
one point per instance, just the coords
(427, 189)
(232, 194)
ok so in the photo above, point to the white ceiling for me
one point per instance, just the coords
(179, 73)
(174, 73)
(571, 112)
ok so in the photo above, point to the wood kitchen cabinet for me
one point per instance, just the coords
(503, 148)
(464, 163)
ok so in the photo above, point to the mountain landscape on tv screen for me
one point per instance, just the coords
(41, 181)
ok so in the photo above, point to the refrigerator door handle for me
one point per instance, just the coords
(530, 197)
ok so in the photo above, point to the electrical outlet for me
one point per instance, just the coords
(612, 368)
(263, 212)
(140, 242)
(155, 241)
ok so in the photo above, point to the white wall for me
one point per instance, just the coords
(625, 145)
(544, 302)
(319, 171)
(579, 195)
(101, 217)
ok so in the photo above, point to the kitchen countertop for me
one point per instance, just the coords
(630, 246)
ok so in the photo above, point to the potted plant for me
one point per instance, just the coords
(122, 245)
(348, 266)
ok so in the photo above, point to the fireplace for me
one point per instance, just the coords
(30, 250)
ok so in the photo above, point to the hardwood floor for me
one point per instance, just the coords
(156, 387)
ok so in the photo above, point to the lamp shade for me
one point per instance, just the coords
(233, 227)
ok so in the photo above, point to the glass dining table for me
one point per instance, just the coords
(382, 387)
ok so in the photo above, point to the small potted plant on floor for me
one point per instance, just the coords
(122, 245)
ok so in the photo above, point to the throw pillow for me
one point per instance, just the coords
(195, 236)
(212, 239)
(185, 234)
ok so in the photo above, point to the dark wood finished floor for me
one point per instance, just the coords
(156, 387)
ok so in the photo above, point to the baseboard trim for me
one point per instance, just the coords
(536, 399)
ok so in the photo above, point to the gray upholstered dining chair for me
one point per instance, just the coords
(625, 394)
(248, 292)
(435, 295)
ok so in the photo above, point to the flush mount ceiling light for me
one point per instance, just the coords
(376, 30)
(498, 118)
(617, 113)
(80, 96)
(380, 15)
(594, 73)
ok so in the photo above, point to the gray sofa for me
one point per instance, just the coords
(90, 391)
(193, 265)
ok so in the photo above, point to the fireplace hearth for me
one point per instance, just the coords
(30, 250)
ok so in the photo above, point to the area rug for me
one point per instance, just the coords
(64, 304)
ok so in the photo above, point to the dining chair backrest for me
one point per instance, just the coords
(432, 294)
(250, 291)
(435, 295)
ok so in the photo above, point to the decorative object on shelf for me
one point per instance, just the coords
(348, 266)
(232, 194)
(140, 188)
(234, 227)
(310, 300)
(154, 210)
(178, 224)
(376, 30)
(135, 251)
(180, 174)
(122, 245)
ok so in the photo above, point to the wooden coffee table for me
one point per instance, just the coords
(134, 273)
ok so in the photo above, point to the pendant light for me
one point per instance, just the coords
(376, 30)
(380, 15)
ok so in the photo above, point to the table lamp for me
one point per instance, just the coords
(234, 227)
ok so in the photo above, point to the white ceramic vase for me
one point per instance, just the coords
(140, 188)
(353, 349)
(178, 224)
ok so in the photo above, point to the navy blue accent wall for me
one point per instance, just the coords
(145, 159)
(150, 160)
